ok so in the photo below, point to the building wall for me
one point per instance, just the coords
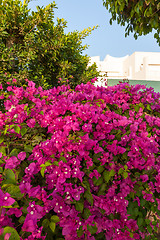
(138, 66)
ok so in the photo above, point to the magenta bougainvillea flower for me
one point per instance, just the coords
(21, 156)
(5, 199)
(79, 164)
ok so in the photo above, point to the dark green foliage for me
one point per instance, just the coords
(34, 45)
(141, 16)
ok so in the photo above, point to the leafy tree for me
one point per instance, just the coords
(141, 16)
(33, 45)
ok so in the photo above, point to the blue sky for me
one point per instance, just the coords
(106, 39)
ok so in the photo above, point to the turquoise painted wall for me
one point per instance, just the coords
(153, 84)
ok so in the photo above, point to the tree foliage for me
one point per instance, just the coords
(34, 45)
(141, 16)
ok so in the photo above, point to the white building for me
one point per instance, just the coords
(138, 66)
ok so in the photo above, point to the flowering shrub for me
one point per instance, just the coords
(79, 164)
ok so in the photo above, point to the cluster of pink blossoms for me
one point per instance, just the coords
(79, 164)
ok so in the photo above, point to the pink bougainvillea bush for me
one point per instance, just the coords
(79, 164)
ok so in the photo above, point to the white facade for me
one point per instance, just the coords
(138, 66)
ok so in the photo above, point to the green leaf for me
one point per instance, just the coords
(136, 108)
(89, 197)
(149, 107)
(86, 185)
(95, 157)
(135, 210)
(80, 232)
(141, 105)
(37, 139)
(63, 159)
(56, 163)
(21, 219)
(24, 210)
(98, 181)
(100, 169)
(156, 35)
(121, 170)
(14, 234)
(14, 152)
(131, 235)
(48, 163)
(55, 219)
(147, 221)
(43, 167)
(17, 129)
(6, 129)
(92, 229)
(140, 221)
(3, 150)
(1, 168)
(1, 139)
(125, 167)
(79, 206)
(45, 223)
(9, 177)
(43, 171)
(52, 226)
(98, 104)
(125, 175)
(23, 131)
(86, 213)
(28, 148)
(112, 173)
(132, 195)
(14, 191)
(106, 176)
(110, 21)
(153, 209)
(149, 229)
(102, 189)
